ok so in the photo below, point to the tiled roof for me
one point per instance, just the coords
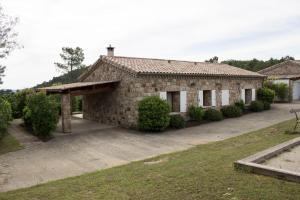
(174, 67)
(162, 66)
(285, 63)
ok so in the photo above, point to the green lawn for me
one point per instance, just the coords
(8, 143)
(204, 172)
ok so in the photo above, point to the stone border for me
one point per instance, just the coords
(253, 162)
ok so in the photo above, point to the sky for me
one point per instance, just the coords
(171, 29)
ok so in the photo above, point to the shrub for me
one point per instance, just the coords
(5, 115)
(177, 121)
(213, 115)
(195, 113)
(267, 105)
(231, 111)
(240, 104)
(265, 94)
(153, 114)
(256, 106)
(27, 116)
(282, 91)
(41, 114)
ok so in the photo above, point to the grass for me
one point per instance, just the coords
(8, 143)
(203, 172)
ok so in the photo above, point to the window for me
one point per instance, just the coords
(207, 98)
(248, 96)
(173, 98)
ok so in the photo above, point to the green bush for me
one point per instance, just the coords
(196, 113)
(282, 91)
(231, 111)
(267, 105)
(5, 115)
(256, 106)
(41, 114)
(213, 115)
(27, 116)
(265, 94)
(177, 121)
(240, 104)
(153, 114)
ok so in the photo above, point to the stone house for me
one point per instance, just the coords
(180, 83)
(287, 72)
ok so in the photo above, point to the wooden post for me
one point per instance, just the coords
(66, 113)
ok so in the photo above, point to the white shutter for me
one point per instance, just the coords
(163, 95)
(182, 101)
(213, 98)
(225, 97)
(200, 98)
(243, 95)
(253, 94)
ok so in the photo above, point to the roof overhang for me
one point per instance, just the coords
(81, 88)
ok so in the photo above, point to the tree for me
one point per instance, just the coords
(7, 38)
(72, 59)
(255, 64)
(214, 59)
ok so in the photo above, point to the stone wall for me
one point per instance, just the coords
(119, 107)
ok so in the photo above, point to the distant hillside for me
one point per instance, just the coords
(63, 79)
(256, 65)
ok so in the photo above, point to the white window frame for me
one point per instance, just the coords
(225, 97)
(213, 98)
(253, 94)
(183, 101)
(200, 98)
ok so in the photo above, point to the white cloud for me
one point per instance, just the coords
(167, 29)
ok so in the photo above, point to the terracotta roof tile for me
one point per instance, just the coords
(162, 66)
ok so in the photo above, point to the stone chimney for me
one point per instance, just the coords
(110, 51)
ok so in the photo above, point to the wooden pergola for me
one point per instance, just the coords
(76, 89)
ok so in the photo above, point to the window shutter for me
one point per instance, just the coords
(213, 98)
(163, 95)
(253, 94)
(225, 97)
(200, 98)
(243, 95)
(182, 101)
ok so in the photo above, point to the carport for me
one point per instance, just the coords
(76, 89)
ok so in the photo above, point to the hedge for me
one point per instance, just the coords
(240, 104)
(5, 115)
(153, 114)
(213, 115)
(231, 111)
(256, 106)
(195, 113)
(41, 114)
(177, 121)
(265, 95)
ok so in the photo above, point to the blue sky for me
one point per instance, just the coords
(188, 30)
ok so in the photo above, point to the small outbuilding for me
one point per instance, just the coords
(287, 72)
(180, 83)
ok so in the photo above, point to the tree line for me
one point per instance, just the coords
(251, 65)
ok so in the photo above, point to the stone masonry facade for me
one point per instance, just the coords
(120, 106)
